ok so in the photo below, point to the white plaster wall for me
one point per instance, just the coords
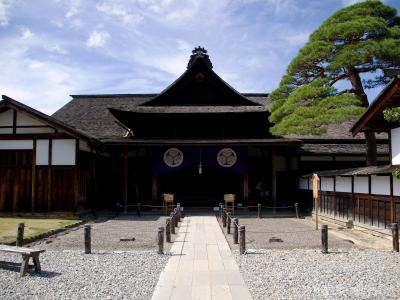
(16, 145)
(303, 183)
(63, 152)
(280, 163)
(42, 152)
(396, 186)
(6, 130)
(6, 118)
(361, 184)
(35, 130)
(343, 184)
(380, 185)
(24, 119)
(395, 143)
(327, 184)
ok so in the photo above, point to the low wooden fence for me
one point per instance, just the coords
(373, 210)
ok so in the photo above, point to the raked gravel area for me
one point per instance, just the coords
(74, 275)
(309, 274)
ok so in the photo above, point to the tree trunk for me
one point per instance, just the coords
(370, 137)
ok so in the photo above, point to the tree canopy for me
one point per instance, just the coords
(362, 38)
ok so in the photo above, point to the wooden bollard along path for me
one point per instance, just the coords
(20, 235)
(172, 225)
(160, 236)
(296, 206)
(242, 239)
(228, 221)
(168, 230)
(235, 230)
(87, 239)
(259, 210)
(224, 217)
(324, 238)
(395, 236)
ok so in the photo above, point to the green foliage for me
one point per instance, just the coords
(361, 38)
(392, 115)
(396, 173)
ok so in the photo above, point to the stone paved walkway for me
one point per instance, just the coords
(202, 265)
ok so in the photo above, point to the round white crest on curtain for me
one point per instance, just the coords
(173, 157)
(226, 157)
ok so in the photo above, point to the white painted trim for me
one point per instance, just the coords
(42, 152)
(16, 145)
(63, 152)
(343, 184)
(361, 185)
(380, 185)
(396, 186)
(34, 130)
(350, 158)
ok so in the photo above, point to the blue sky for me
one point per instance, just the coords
(53, 48)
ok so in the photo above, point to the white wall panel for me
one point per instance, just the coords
(42, 152)
(63, 152)
(16, 145)
(396, 186)
(24, 119)
(361, 184)
(343, 184)
(6, 118)
(6, 130)
(35, 130)
(395, 143)
(380, 185)
(303, 183)
(327, 184)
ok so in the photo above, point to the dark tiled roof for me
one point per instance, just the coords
(315, 149)
(90, 112)
(373, 170)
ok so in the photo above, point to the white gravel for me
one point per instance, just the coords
(74, 275)
(309, 274)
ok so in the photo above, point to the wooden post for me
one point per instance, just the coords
(160, 240)
(242, 239)
(245, 188)
(178, 208)
(259, 210)
(33, 187)
(176, 217)
(315, 182)
(228, 220)
(220, 210)
(49, 175)
(87, 239)
(395, 236)
(172, 223)
(224, 217)
(168, 230)
(273, 171)
(126, 175)
(235, 230)
(76, 174)
(20, 235)
(324, 238)
(296, 206)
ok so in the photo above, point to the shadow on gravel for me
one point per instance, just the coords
(12, 266)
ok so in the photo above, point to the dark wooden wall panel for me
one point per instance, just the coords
(63, 197)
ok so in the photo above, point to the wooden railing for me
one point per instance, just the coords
(372, 210)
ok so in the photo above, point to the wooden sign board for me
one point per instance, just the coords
(315, 184)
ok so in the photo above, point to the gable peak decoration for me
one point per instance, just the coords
(200, 53)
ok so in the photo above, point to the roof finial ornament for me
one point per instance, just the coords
(199, 53)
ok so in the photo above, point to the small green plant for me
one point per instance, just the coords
(392, 115)
(396, 173)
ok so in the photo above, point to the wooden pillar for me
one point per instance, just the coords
(273, 176)
(76, 174)
(126, 174)
(33, 177)
(154, 189)
(49, 175)
(245, 188)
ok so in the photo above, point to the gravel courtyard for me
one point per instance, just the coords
(114, 270)
(309, 274)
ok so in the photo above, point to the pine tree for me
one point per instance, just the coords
(362, 38)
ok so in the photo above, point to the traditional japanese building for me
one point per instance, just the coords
(198, 139)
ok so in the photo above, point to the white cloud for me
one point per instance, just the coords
(97, 39)
(73, 8)
(26, 33)
(4, 11)
(120, 11)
